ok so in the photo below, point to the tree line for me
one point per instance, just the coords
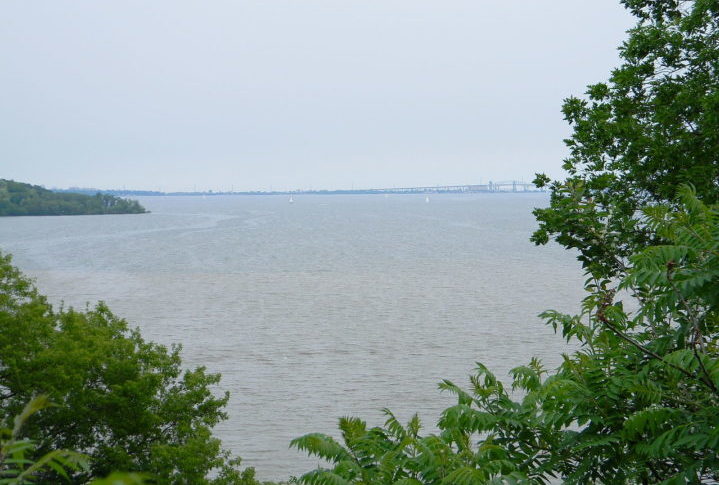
(20, 199)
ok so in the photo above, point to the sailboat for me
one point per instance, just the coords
(426, 199)
(291, 201)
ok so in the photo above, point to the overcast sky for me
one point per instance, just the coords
(286, 94)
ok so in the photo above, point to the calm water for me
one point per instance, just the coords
(331, 306)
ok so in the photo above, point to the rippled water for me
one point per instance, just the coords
(331, 306)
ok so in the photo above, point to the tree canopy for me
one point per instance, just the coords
(19, 199)
(124, 402)
(636, 138)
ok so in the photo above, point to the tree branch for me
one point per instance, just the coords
(604, 320)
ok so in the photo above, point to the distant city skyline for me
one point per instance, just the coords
(285, 95)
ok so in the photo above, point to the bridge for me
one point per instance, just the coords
(503, 186)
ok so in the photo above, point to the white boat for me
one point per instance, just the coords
(291, 201)
(426, 199)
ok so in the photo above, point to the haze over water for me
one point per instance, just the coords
(330, 306)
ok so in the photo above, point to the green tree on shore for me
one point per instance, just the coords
(124, 402)
(636, 138)
(19, 199)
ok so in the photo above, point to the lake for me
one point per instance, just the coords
(333, 305)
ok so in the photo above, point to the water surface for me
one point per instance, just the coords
(330, 306)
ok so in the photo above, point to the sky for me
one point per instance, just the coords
(294, 94)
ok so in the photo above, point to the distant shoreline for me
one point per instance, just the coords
(21, 199)
(491, 188)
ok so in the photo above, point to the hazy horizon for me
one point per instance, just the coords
(284, 95)
(231, 189)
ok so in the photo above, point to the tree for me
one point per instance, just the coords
(124, 402)
(645, 386)
(15, 467)
(652, 127)
(19, 199)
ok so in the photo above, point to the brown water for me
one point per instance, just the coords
(330, 306)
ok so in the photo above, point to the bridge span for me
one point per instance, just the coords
(503, 186)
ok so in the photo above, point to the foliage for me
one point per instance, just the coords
(122, 479)
(18, 199)
(396, 454)
(649, 377)
(16, 468)
(124, 402)
(636, 138)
